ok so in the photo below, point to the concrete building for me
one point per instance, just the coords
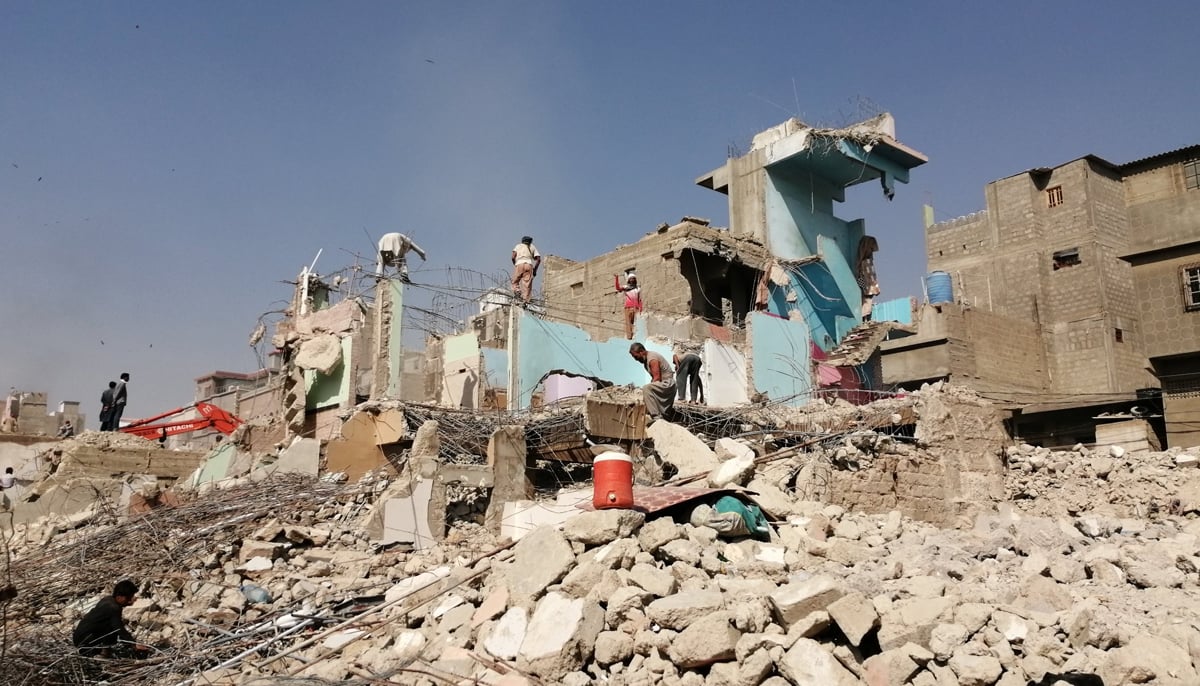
(763, 301)
(1063, 286)
(1162, 199)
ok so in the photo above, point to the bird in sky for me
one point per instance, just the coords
(430, 61)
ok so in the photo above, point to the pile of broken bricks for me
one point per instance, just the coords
(1098, 591)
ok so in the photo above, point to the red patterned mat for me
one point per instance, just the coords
(651, 499)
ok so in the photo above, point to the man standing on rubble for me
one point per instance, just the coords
(659, 394)
(106, 403)
(102, 632)
(633, 300)
(393, 248)
(526, 259)
(120, 397)
(687, 376)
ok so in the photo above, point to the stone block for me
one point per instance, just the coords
(540, 559)
(560, 636)
(796, 600)
(678, 446)
(505, 639)
(603, 526)
(855, 615)
(681, 609)
(807, 663)
(710, 639)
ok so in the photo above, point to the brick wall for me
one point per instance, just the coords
(1170, 330)
(677, 276)
(1002, 261)
(956, 475)
(1162, 211)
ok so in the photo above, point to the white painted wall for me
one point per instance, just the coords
(724, 373)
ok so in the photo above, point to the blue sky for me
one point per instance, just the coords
(193, 156)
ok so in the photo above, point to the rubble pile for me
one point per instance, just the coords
(1108, 481)
(1089, 573)
(834, 597)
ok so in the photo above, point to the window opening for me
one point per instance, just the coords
(1191, 175)
(1054, 196)
(1119, 335)
(1191, 287)
(1066, 258)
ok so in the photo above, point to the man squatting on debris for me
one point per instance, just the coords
(659, 394)
(526, 259)
(393, 248)
(633, 300)
(102, 632)
(687, 376)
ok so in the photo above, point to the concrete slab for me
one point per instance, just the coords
(382, 428)
(406, 520)
(524, 516)
(303, 456)
(353, 458)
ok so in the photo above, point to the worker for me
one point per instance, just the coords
(120, 398)
(393, 248)
(687, 376)
(106, 403)
(7, 481)
(526, 259)
(659, 394)
(864, 274)
(9, 424)
(633, 300)
(102, 632)
(66, 430)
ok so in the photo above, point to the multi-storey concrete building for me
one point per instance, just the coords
(1094, 266)
(1162, 199)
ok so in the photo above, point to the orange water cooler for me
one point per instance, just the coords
(612, 481)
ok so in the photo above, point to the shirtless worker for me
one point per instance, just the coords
(659, 394)
(526, 259)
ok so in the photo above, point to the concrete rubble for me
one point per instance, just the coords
(1047, 567)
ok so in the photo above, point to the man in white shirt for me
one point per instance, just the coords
(392, 250)
(526, 259)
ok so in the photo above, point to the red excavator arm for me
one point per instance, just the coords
(211, 417)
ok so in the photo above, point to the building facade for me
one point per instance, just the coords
(1099, 264)
(1162, 196)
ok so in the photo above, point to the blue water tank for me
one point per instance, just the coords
(939, 287)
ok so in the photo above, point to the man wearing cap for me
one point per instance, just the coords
(633, 300)
(526, 259)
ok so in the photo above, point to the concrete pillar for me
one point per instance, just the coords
(507, 460)
(514, 358)
(386, 332)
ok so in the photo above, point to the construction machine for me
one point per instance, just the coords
(211, 417)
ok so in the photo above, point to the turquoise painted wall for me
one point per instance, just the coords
(780, 357)
(545, 346)
(801, 224)
(327, 390)
(495, 367)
